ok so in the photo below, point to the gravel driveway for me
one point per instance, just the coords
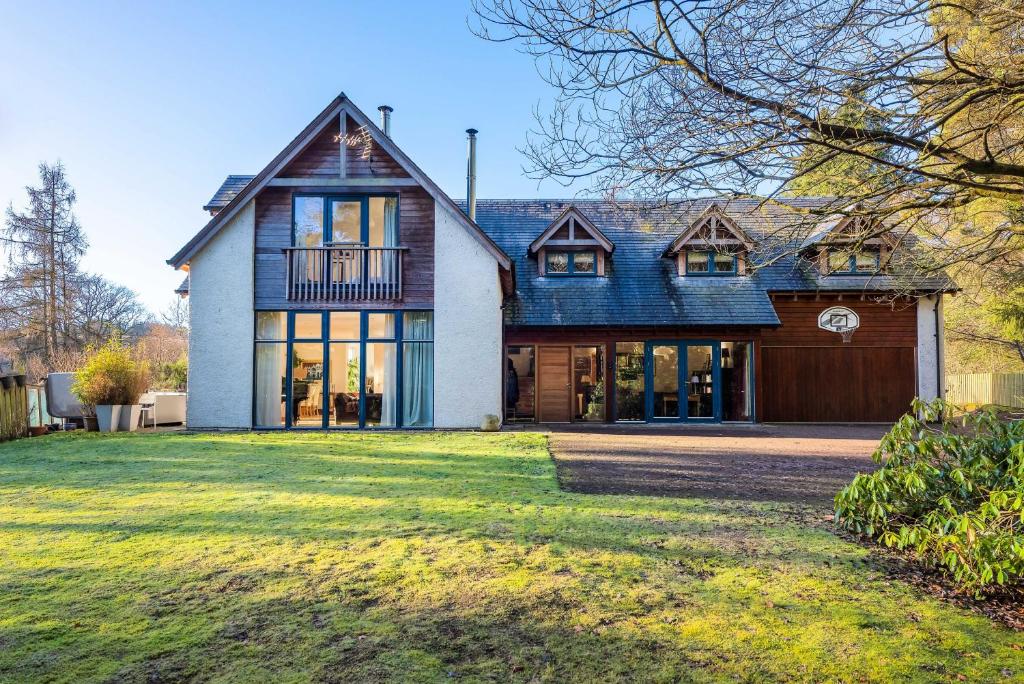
(756, 463)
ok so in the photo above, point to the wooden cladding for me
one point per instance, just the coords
(364, 158)
(343, 274)
(882, 324)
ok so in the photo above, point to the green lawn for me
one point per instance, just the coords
(296, 557)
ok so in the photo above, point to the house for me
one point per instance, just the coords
(340, 287)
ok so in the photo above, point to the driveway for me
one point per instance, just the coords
(805, 463)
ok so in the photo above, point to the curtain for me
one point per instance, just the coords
(388, 395)
(418, 369)
(270, 374)
(390, 261)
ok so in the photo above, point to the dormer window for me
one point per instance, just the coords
(711, 263)
(859, 262)
(713, 245)
(571, 245)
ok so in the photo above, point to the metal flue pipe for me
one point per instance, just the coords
(471, 174)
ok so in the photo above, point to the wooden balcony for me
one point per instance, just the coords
(344, 273)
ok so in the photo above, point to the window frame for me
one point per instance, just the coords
(397, 339)
(712, 270)
(570, 263)
(364, 214)
(851, 263)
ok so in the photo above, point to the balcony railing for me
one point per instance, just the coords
(344, 273)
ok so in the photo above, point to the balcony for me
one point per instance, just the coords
(344, 273)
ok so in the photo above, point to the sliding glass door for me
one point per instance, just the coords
(683, 379)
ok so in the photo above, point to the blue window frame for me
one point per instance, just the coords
(308, 340)
(853, 263)
(341, 219)
(563, 263)
(692, 385)
(710, 262)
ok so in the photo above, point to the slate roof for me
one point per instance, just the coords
(231, 186)
(641, 286)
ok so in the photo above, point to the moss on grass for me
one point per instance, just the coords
(368, 557)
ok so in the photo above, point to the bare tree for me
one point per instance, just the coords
(659, 99)
(44, 244)
(103, 309)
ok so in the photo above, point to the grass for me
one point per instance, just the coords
(429, 557)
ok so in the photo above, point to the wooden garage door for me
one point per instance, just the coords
(836, 384)
(553, 383)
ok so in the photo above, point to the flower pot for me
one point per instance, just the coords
(90, 424)
(129, 418)
(19, 380)
(7, 381)
(107, 417)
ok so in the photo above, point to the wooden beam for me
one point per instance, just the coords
(342, 142)
(326, 181)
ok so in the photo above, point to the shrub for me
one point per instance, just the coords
(949, 492)
(171, 376)
(110, 375)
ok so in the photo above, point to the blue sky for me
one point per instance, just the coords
(149, 106)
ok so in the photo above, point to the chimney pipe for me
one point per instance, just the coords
(471, 174)
(385, 119)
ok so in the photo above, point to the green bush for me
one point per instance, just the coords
(949, 492)
(111, 375)
(171, 376)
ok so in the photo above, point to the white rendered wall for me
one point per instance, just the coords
(220, 349)
(467, 326)
(930, 342)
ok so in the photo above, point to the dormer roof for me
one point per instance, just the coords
(573, 220)
(840, 228)
(712, 229)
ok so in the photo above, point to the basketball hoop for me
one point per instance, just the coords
(839, 319)
(847, 334)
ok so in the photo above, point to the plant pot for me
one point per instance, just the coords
(107, 417)
(19, 380)
(129, 421)
(37, 430)
(7, 381)
(91, 425)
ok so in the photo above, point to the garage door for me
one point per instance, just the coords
(836, 384)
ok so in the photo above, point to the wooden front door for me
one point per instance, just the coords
(554, 384)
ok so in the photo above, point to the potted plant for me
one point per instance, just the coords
(111, 381)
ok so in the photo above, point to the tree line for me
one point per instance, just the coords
(51, 310)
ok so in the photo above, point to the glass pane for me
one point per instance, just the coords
(344, 325)
(838, 262)
(666, 381)
(736, 391)
(308, 326)
(271, 325)
(520, 383)
(345, 222)
(724, 263)
(588, 381)
(381, 326)
(307, 384)
(583, 262)
(418, 325)
(383, 221)
(270, 379)
(867, 262)
(343, 396)
(696, 262)
(309, 221)
(380, 384)
(418, 384)
(558, 262)
(699, 387)
(629, 380)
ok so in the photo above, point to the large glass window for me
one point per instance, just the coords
(346, 222)
(853, 262)
(571, 263)
(666, 381)
(588, 381)
(700, 384)
(307, 384)
(710, 262)
(629, 380)
(736, 393)
(418, 369)
(520, 383)
(343, 351)
(380, 387)
(308, 220)
(270, 368)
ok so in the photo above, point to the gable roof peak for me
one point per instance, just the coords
(576, 219)
(713, 217)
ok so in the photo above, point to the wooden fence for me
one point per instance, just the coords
(13, 409)
(971, 390)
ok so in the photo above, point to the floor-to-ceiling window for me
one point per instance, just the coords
(629, 380)
(665, 381)
(588, 383)
(342, 369)
(737, 393)
(520, 383)
(684, 378)
(700, 381)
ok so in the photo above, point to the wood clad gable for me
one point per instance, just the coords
(572, 229)
(713, 229)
